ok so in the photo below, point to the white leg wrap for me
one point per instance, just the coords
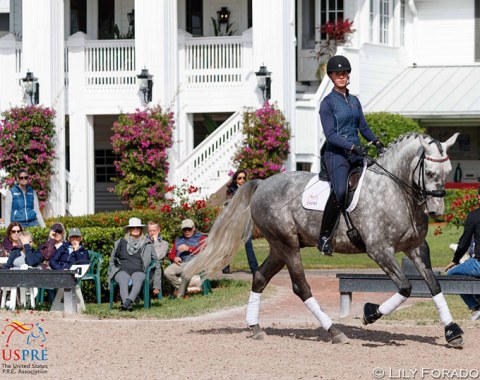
(391, 304)
(443, 309)
(323, 318)
(253, 308)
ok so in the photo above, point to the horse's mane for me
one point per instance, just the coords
(406, 137)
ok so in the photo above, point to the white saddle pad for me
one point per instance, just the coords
(316, 193)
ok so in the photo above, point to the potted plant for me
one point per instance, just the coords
(333, 34)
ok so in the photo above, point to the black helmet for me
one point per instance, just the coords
(338, 63)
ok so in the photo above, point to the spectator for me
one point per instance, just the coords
(130, 258)
(21, 203)
(25, 255)
(238, 179)
(12, 238)
(183, 250)
(54, 244)
(74, 254)
(160, 246)
(470, 267)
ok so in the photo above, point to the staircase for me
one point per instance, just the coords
(207, 167)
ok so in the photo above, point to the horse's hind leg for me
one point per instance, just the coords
(272, 265)
(302, 290)
(421, 258)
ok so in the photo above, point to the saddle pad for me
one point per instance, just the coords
(316, 193)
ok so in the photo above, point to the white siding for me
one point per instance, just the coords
(444, 33)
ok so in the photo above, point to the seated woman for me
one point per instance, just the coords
(73, 253)
(55, 243)
(24, 255)
(130, 258)
(11, 239)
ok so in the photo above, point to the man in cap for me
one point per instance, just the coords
(470, 267)
(183, 250)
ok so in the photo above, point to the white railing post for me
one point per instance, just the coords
(208, 165)
(10, 73)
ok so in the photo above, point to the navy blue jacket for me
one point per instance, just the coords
(22, 204)
(65, 257)
(32, 258)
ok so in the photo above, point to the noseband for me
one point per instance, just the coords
(422, 191)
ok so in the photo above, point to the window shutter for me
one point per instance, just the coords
(4, 22)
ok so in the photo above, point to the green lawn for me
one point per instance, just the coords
(440, 253)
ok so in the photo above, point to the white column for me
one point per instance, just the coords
(82, 186)
(156, 47)
(43, 54)
(9, 95)
(274, 46)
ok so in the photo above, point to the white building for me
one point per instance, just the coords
(414, 57)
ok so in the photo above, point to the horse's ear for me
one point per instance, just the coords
(451, 140)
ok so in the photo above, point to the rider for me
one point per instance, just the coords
(342, 118)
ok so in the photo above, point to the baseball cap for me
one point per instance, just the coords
(187, 223)
(57, 227)
(74, 232)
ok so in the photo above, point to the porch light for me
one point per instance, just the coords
(264, 81)
(32, 87)
(145, 84)
(223, 15)
(131, 17)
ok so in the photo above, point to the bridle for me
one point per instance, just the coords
(418, 190)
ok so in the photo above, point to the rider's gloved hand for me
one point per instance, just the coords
(379, 145)
(359, 150)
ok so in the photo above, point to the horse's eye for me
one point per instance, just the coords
(429, 174)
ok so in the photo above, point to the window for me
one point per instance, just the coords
(308, 24)
(4, 23)
(106, 19)
(195, 17)
(383, 24)
(402, 22)
(330, 10)
(384, 21)
(78, 16)
(104, 167)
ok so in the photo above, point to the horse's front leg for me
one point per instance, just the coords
(385, 258)
(421, 258)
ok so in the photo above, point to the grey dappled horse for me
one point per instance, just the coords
(398, 194)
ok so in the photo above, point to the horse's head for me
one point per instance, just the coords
(432, 170)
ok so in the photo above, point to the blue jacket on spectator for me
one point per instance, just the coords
(32, 258)
(65, 257)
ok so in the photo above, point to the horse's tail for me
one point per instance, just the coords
(233, 225)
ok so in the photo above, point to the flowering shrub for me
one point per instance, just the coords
(26, 141)
(460, 207)
(141, 141)
(332, 35)
(266, 144)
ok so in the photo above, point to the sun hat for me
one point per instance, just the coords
(134, 222)
(188, 223)
(74, 232)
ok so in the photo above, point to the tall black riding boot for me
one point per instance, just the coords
(329, 223)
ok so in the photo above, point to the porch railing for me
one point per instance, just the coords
(110, 63)
(208, 165)
(213, 61)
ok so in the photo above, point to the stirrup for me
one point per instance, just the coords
(324, 246)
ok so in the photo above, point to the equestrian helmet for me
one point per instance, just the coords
(338, 63)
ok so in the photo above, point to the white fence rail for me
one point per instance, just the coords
(110, 63)
(208, 165)
(213, 61)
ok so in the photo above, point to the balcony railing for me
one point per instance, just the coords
(110, 63)
(213, 61)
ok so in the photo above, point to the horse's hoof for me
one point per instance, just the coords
(456, 343)
(338, 337)
(258, 333)
(370, 313)
(453, 335)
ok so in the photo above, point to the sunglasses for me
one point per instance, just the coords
(24, 177)
(58, 231)
(240, 178)
(16, 231)
(136, 228)
(187, 229)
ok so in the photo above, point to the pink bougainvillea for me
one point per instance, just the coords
(141, 141)
(266, 144)
(26, 141)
